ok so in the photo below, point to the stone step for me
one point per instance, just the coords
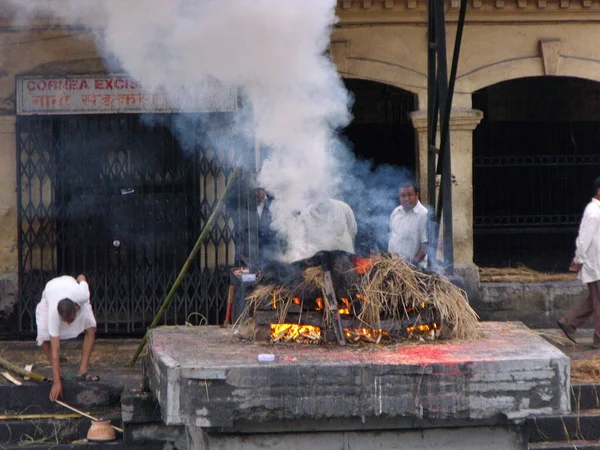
(114, 445)
(34, 397)
(52, 429)
(42, 431)
(566, 445)
(583, 425)
(585, 397)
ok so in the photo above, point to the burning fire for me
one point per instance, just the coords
(292, 332)
(365, 334)
(347, 308)
(363, 265)
(319, 304)
(425, 328)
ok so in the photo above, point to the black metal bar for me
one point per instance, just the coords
(432, 106)
(443, 94)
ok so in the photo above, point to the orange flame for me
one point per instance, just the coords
(293, 332)
(274, 301)
(363, 265)
(319, 301)
(297, 301)
(422, 328)
(348, 307)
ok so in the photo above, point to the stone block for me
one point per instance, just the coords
(207, 377)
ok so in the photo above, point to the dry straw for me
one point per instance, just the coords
(520, 274)
(390, 289)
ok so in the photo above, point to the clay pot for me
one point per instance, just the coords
(101, 431)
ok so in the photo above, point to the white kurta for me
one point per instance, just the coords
(588, 243)
(46, 314)
(408, 230)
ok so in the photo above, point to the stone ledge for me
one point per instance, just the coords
(511, 372)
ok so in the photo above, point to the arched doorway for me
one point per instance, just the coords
(381, 130)
(535, 155)
(382, 139)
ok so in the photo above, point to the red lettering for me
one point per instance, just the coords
(133, 84)
(120, 83)
(41, 85)
(98, 84)
(51, 85)
(109, 83)
(31, 85)
(83, 85)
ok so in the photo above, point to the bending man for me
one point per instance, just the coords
(65, 312)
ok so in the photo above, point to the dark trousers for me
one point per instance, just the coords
(588, 307)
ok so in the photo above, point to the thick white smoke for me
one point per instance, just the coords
(275, 50)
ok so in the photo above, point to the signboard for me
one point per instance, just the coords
(117, 94)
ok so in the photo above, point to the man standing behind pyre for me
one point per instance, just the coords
(408, 225)
(587, 265)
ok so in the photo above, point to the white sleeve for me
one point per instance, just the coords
(81, 293)
(587, 229)
(423, 229)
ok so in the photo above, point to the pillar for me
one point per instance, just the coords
(462, 124)
(8, 217)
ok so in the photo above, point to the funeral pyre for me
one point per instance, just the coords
(335, 296)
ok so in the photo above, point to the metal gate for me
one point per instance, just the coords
(535, 158)
(122, 200)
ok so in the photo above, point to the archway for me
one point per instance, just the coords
(535, 155)
(382, 139)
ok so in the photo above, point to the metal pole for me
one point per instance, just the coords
(439, 19)
(446, 93)
(432, 111)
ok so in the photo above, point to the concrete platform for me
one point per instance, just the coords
(207, 377)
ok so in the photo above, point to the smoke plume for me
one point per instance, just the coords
(294, 102)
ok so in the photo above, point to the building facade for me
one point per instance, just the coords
(523, 134)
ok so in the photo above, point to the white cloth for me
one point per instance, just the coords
(260, 208)
(329, 225)
(588, 243)
(47, 319)
(408, 230)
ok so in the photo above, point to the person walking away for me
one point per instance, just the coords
(587, 265)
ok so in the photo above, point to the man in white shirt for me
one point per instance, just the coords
(64, 312)
(587, 265)
(408, 225)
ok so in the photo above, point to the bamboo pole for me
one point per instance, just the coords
(120, 430)
(24, 373)
(207, 228)
(39, 416)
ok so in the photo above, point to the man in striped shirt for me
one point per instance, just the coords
(408, 225)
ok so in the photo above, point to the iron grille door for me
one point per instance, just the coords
(119, 198)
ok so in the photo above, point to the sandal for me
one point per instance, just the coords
(87, 377)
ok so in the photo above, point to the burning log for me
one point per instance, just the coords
(378, 298)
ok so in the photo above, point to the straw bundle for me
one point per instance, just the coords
(389, 289)
(392, 287)
(585, 370)
(520, 274)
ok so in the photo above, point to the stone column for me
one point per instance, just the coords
(8, 216)
(462, 124)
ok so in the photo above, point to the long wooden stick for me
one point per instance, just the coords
(120, 430)
(24, 373)
(38, 416)
(207, 228)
